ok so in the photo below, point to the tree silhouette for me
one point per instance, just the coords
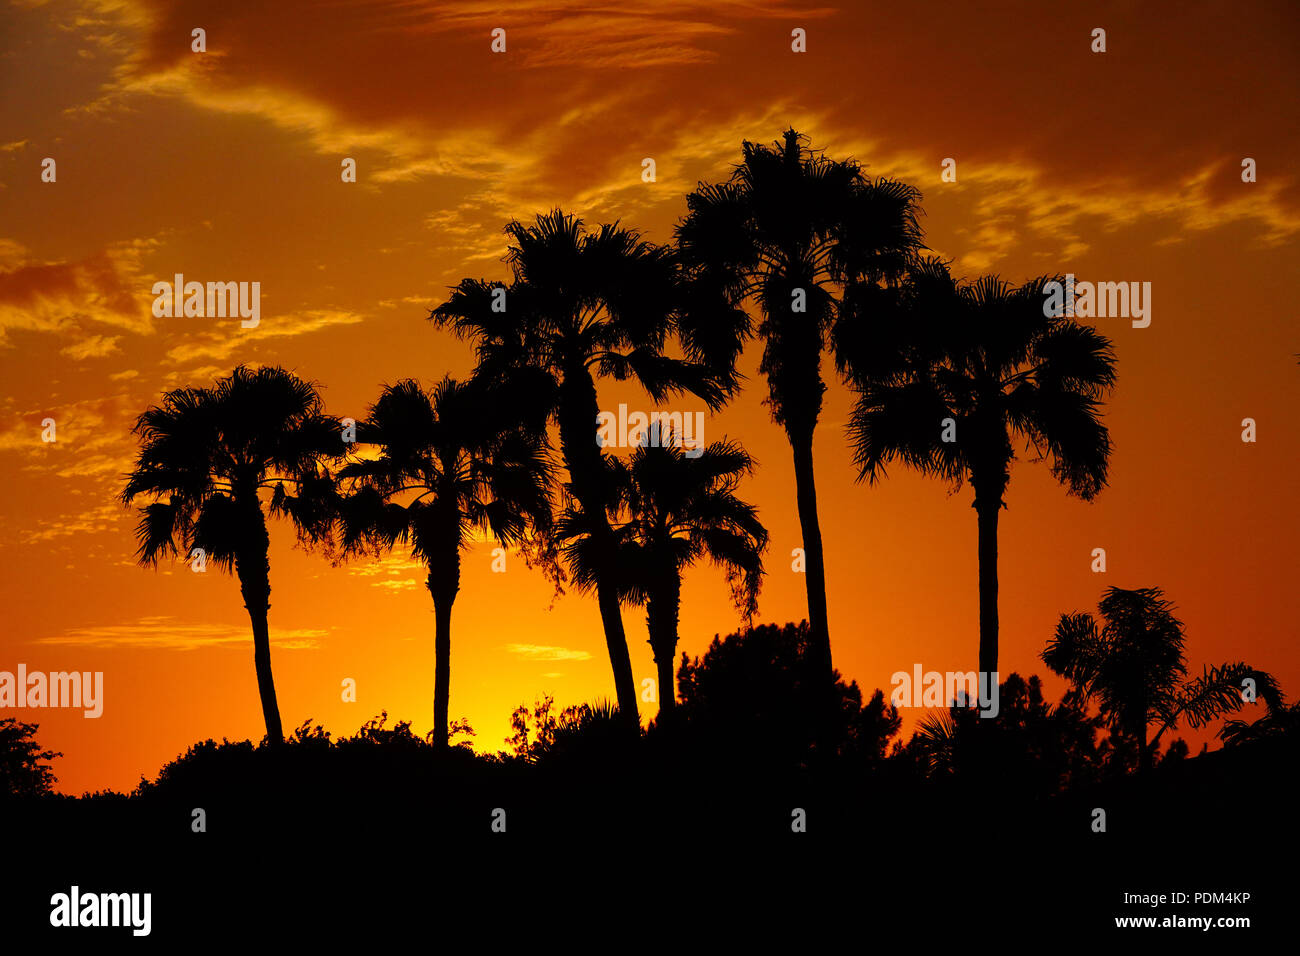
(207, 456)
(22, 772)
(462, 458)
(1133, 667)
(583, 305)
(678, 507)
(785, 231)
(951, 376)
(1033, 747)
(757, 699)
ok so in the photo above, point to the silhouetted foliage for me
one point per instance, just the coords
(786, 231)
(24, 771)
(671, 508)
(1133, 667)
(585, 304)
(451, 461)
(590, 733)
(760, 697)
(1029, 747)
(1281, 721)
(953, 378)
(208, 457)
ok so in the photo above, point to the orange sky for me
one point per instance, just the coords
(225, 166)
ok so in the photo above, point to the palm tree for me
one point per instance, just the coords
(787, 230)
(1133, 667)
(207, 456)
(951, 376)
(677, 508)
(460, 459)
(582, 305)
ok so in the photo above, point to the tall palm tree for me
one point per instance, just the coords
(460, 459)
(951, 377)
(672, 509)
(787, 231)
(1133, 667)
(215, 461)
(584, 304)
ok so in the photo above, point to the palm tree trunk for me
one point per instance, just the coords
(814, 563)
(667, 686)
(253, 568)
(444, 584)
(611, 616)
(663, 611)
(265, 681)
(579, 412)
(986, 510)
(441, 665)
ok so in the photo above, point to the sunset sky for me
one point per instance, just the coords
(225, 166)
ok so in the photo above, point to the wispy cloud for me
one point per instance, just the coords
(92, 346)
(393, 571)
(66, 296)
(546, 652)
(166, 633)
(109, 517)
(220, 345)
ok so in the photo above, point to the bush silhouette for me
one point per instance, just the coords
(760, 697)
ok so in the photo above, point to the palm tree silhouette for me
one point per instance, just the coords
(1133, 667)
(461, 458)
(206, 457)
(582, 305)
(787, 229)
(677, 508)
(949, 375)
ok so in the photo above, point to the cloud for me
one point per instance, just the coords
(203, 375)
(91, 425)
(96, 465)
(109, 517)
(395, 569)
(546, 652)
(394, 585)
(64, 297)
(220, 345)
(587, 90)
(166, 633)
(492, 124)
(94, 346)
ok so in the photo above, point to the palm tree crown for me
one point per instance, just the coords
(951, 377)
